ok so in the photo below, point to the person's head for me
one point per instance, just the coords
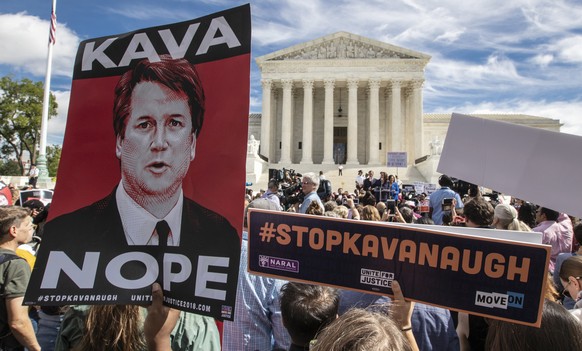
(571, 276)
(478, 212)
(112, 327)
(559, 331)
(381, 207)
(527, 214)
(273, 186)
(314, 209)
(369, 199)
(362, 330)
(360, 172)
(407, 214)
(329, 205)
(446, 181)
(391, 178)
(262, 204)
(342, 211)
(370, 173)
(15, 225)
(505, 217)
(35, 206)
(424, 220)
(157, 116)
(15, 195)
(370, 213)
(474, 190)
(306, 309)
(546, 214)
(310, 183)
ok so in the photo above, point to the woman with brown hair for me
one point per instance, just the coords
(558, 331)
(370, 213)
(121, 327)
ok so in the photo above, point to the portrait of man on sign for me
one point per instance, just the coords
(142, 131)
(158, 114)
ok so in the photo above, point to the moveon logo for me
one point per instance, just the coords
(496, 300)
(281, 264)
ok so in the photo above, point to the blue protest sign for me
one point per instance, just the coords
(488, 277)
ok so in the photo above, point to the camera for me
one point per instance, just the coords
(447, 204)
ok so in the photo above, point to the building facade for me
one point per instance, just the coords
(342, 98)
(347, 99)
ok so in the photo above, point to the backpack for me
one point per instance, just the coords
(6, 257)
(324, 189)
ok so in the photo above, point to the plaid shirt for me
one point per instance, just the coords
(257, 321)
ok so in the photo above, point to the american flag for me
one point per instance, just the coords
(53, 30)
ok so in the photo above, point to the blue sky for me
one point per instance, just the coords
(518, 56)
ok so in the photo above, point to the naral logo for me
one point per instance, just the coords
(497, 300)
(281, 264)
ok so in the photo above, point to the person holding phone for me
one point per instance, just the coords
(437, 200)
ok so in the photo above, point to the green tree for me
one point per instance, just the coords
(20, 117)
(53, 157)
(9, 168)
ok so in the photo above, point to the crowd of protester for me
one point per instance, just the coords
(274, 314)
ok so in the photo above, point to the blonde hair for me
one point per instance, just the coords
(507, 218)
(342, 211)
(362, 330)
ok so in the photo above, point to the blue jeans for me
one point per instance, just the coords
(48, 330)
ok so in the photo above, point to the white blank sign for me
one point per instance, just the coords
(532, 164)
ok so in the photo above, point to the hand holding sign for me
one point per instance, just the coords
(401, 313)
(160, 321)
(401, 310)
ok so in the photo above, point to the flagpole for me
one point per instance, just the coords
(43, 180)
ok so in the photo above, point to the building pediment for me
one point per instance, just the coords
(341, 46)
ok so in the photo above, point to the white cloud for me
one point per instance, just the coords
(24, 43)
(448, 74)
(542, 60)
(570, 49)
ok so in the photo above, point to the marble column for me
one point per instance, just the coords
(266, 119)
(417, 116)
(286, 127)
(374, 121)
(307, 122)
(409, 123)
(396, 132)
(328, 122)
(352, 122)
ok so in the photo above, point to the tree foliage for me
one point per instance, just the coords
(9, 168)
(20, 117)
(53, 157)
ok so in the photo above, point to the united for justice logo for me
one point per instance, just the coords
(226, 311)
(278, 263)
(377, 278)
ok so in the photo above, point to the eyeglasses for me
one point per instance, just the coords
(565, 292)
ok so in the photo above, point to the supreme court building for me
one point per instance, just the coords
(344, 98)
